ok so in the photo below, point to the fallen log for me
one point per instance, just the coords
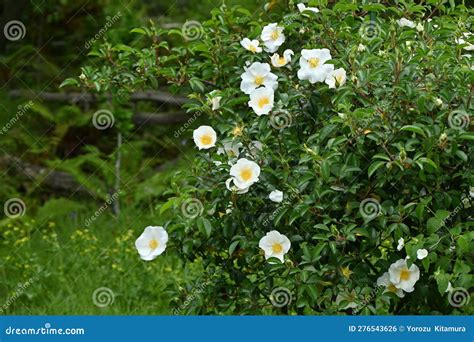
(143, 118)
(55, 180)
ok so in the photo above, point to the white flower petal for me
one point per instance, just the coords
(275, 245)
(276, 196)
(421, 254)
(205, 137)
(262, 100)
(401, 243)
(244, 173)
(151, 243)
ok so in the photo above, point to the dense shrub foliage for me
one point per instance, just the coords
(360, 133)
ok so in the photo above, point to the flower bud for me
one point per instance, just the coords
(361, 47)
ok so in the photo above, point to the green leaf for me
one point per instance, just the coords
(167, 205)
(204, 226)
(381, 156)
(413, 128)
(374, 167)
(466, 136)
(428, 161)
(326, 169)
(442, 279)
(139, 30)
(233, 246)
(69, 82)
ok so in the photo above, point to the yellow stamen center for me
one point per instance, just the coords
(392, 288)
(246, 174)
(275, 35)
(206, 139)
(339, 79)
(237, 131)
(259, 80)
(404, 274)
(263, 102)
(281, 60)
(253, 48)
(277, 248)
(153, 244)
(313, 62)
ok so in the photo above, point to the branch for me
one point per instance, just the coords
(56, 180)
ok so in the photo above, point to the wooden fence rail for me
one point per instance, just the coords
(141, 118)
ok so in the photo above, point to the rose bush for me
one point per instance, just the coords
(358, 115)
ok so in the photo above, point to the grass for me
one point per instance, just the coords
(67, 262)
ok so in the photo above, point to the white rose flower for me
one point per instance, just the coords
(257, 75)
(302, 7)
(403, 277)
(151, 243)
(384, 280)
(337, 77)
(261, 100)
(231, 187)
(312, 65)
(251, 45)
(421, 254)
(406, 22)
(276, 196)
(401, 243)
(275, 245)
(438, 102)
(204, 137)
(279, 62)
(419, 27)
(244, 173)
(272, 37)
